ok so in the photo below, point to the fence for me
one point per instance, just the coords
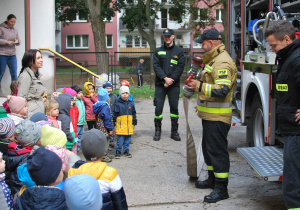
(122, 64)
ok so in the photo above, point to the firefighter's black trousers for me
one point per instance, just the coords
(291, 172)
(159, 100)
(214, 146)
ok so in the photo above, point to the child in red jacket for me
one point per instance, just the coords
(89, 99)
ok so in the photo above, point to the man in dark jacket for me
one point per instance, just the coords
(139, 72)
(282, 39)
(168, 63)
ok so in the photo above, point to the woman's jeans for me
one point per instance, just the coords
(11, 61)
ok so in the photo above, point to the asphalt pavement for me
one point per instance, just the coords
(156, 175)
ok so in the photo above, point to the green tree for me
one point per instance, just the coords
(97, 11)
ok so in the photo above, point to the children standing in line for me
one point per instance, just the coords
(52, 112)
(93, 144)
(112, 97)
(18, 108)
(104, 119)
(124, 121)
(44, 168)
(81, 116)
(89, 99)
(64, 101)
(6, 201)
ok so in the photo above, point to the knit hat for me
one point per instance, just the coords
(38, 116)
(107, 84)
(93, 144)
(103, 94)
(62, 154)
(83, 192)
(43, 166)
(27, 133)
(7, 127)
(76, 88)
(53, 136)
(69, 91)
(15, 103)
(124, 89)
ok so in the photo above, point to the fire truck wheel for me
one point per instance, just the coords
(255, 127)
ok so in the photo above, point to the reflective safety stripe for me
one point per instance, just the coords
(222, 175)
(208, 68)
(282, 87)
(210, 168)
(223, 81)
(295, 209)
(208, 90)
(213, 104)
(174, 115)
(174, 61)
(215, 110)
(162, 52)
(158, 117)
(222, 72)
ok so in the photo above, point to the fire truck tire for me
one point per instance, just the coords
(255, 127)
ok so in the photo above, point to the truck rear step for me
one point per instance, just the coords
(266, 161)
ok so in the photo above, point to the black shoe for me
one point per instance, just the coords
(175, 136)
(208, 183)
(127, 154)
(174, 132)
(219, 193)
(118, 154)
(157, 132)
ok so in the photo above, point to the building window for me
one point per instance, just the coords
(201, 14)
(77, 41)
(218, 15)
(109, 41)
(135, 41)
(128, 40)
(79, 18)
(175, 17)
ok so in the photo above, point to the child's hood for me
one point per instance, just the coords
(97, 107)
(24, 176)
(64, 101)
(86, 88)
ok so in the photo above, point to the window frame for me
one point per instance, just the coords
(77, 20)
(81, 42)
(219, 10)
(112, 41)
(199, 15)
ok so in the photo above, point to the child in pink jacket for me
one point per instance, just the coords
(89, 99)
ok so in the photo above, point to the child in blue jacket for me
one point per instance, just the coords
(103, 118)
(124, 116)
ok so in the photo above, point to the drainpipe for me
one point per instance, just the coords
(27, 25)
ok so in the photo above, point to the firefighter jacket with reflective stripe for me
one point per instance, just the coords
(168, 62)
(216, 86)
(287, 87)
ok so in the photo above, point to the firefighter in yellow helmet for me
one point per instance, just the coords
(214, 104)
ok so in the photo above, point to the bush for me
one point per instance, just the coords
(124, 61)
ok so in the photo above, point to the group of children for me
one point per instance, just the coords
(39, 166)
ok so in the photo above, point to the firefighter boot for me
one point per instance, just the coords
(208, 183)
(157, 134)
(219, 193)
(174, 132)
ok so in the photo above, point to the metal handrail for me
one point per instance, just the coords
(72, 62)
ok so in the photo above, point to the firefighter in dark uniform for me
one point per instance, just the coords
(168, 63)
(282, 39)
(214, 104)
